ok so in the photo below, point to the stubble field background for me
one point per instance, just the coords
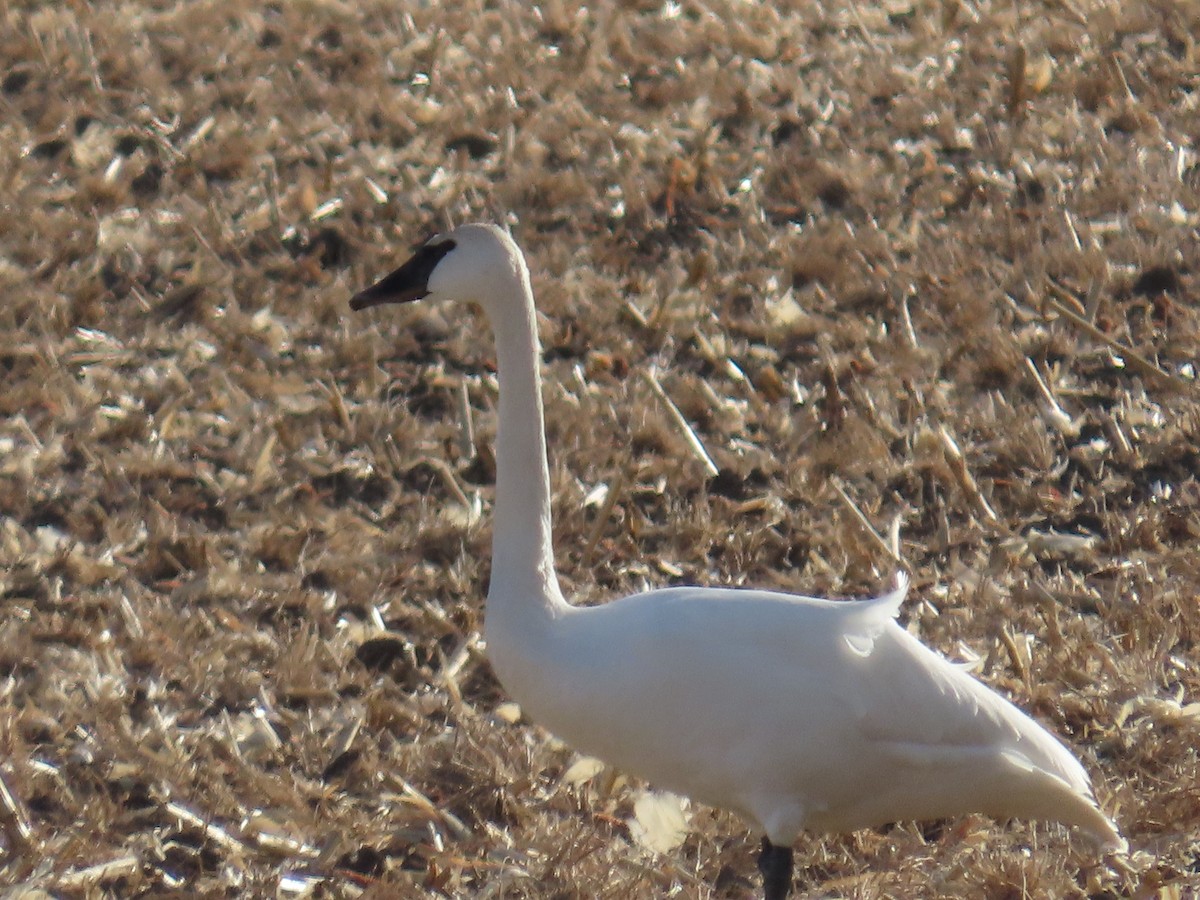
(914, 265)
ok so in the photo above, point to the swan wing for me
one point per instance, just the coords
(922, 700)
(922, 737)
(968, 747)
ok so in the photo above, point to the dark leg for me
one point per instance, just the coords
(775, 863)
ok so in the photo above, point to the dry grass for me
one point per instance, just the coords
(243, 546)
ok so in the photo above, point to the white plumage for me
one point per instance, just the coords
(795, 712)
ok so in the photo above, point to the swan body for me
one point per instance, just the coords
(794, 712)
(797, 713)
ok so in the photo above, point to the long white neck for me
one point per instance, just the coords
(524, 587)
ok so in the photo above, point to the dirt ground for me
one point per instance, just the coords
(914, 265)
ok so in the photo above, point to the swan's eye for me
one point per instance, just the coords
(439, 248)
(428, 238)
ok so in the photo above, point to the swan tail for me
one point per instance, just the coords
(1050, 797)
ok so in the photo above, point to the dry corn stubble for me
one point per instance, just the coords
(908, 262)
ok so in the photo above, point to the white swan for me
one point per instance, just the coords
(794, 712)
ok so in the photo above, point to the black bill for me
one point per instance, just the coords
(409, 282)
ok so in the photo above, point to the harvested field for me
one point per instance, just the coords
(920, 265)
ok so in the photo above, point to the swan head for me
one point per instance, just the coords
(466, 264)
